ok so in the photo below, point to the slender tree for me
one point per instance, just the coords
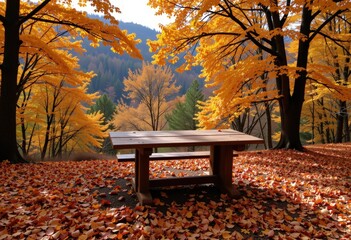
(149, 90)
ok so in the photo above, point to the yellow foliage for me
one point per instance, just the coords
(61, 15)
(235, 47)
(328, 92)
(53, 98)
(148, 89)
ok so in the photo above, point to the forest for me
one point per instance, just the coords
(111, 68)
(277, 70)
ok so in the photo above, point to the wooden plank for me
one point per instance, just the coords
(144, 198)
(132, 139)
(221, 160)
(177, 155)
(125, 157)
(136, 134)
(142, 170)
(178, 181)
(174, 141)
(168, 156)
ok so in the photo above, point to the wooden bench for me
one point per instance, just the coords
(222, 143)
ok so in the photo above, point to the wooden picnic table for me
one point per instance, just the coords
(222, 143)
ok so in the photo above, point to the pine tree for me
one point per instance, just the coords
(105, 106)
(182, 117)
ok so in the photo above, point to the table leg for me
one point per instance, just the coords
(142, 184)
(221, 160)
(136, 171)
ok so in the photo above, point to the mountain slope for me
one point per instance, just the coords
(112, 68)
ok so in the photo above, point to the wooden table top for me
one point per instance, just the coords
(153, 139)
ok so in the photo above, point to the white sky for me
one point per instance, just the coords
(137, 11)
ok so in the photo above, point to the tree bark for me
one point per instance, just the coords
(342, 123)
(269, 125)
(346, 127)
(291, 105)
(9, 71)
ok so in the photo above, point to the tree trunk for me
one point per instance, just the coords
(290, 124)
(269, 125)
(291, 105)
(340, 118)
(9, 71)
(346, 127)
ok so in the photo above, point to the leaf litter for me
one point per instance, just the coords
(285, 194)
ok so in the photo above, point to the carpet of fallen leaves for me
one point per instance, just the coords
(285, 195)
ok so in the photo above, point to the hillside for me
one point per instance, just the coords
(112, 68)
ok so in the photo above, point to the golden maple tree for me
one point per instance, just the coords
(326, 111)
(54, 122)
(149, 89)
(225, 34)
(18, 19)
(51, 94)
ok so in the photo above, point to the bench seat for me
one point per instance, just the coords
(167, 156)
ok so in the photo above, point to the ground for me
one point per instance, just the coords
(285, 194)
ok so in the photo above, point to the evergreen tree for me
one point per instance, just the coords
(182, 117)
(107, 108)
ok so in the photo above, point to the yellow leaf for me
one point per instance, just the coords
(189, 214)
(268, 232)
(226, 235)
(83, 237)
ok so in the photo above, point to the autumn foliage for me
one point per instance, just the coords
(285, 195)
(37, 41)
(151, 91)
(245, 51)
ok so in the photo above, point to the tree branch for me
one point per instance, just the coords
(283, 20)
(324, 24)
(336, 41)
(2, 19)
(250, 35)
(35, 11)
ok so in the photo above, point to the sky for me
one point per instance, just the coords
(137, 11)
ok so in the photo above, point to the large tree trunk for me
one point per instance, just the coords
(290, 123)
(291, 105)
(9, 71)
(291, 127)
